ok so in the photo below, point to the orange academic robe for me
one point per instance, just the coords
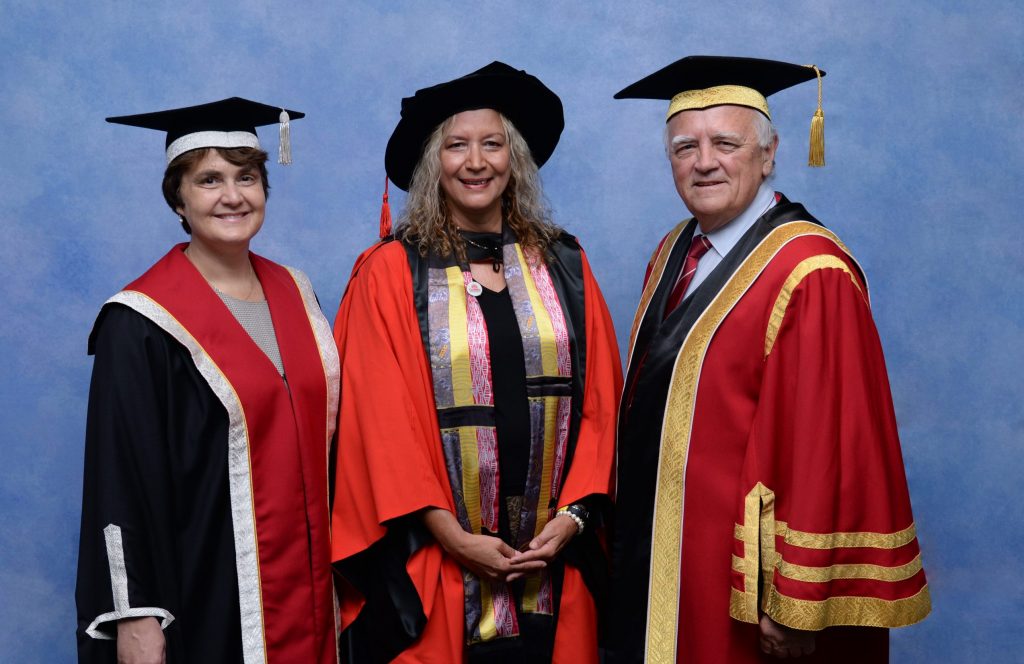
(390, 466)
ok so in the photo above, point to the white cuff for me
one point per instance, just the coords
(141, 612)
(119, 590)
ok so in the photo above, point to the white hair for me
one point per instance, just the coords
(763, 128)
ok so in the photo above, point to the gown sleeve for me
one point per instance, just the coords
(824, 472)
(389, 463)
(124, 483)
(388, 440)
(593, 462)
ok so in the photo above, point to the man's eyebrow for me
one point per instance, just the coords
(729, 135)
(682, 138)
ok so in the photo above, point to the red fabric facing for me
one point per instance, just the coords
(287, 446)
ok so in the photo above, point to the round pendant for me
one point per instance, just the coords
(474, 288)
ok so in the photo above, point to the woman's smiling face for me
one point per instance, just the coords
(475, 169)
(224, 204)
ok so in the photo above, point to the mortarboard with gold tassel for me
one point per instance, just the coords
(701, 81)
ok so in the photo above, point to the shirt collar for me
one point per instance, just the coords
(725, 238)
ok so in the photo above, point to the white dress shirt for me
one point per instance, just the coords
(723, 239)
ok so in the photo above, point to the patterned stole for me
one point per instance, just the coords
(464, 397)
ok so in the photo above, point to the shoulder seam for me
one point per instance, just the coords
(796, 276)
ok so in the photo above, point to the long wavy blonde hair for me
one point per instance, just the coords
(427, 223)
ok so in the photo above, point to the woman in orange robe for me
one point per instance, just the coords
(481, 375)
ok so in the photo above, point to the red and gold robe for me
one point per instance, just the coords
(206, 481)
(759, 464)
(391, 465)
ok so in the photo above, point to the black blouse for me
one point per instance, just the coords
(508, 378)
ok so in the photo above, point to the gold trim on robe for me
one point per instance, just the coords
(758, 534)
(799, 273)
(670, 491)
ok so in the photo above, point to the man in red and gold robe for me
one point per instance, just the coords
(762, 508)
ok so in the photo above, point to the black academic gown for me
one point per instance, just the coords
(171, 501)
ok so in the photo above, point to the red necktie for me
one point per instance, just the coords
(698, 247)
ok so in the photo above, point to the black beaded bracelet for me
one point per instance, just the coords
(580, 511)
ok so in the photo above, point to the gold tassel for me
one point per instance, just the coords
(816, 153)
(284, 146)
(385, 213)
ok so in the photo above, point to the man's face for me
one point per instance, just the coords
(717, 163)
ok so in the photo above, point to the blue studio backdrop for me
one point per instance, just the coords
(925, 151)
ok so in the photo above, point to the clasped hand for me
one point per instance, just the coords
(492, 559)
(544, 547)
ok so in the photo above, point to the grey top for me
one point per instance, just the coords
(254, 317)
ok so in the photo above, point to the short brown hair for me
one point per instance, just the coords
(185, 162)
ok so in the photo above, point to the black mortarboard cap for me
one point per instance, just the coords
(534, 109)
(702, 81)
(228, 123)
